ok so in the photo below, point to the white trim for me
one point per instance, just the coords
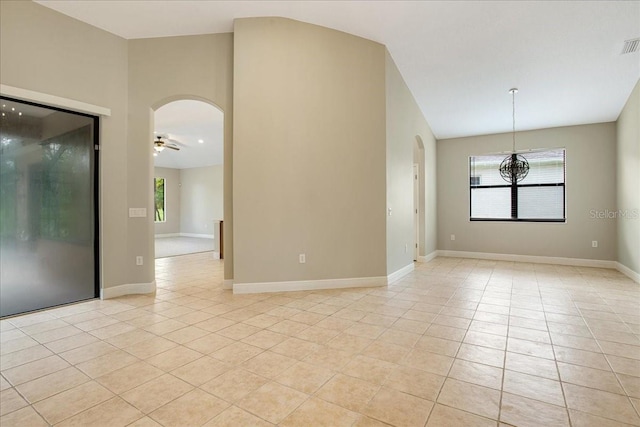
(628, 272)
(162, 236)
(202, 236)
(227, 284)
(216, 255)
(309, 285)
(577, 262)
(429, 257)
(128, 289)
(53, 100)
(399, 274)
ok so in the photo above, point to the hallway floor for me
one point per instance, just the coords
(455, 343)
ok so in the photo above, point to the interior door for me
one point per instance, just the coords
(48, 199)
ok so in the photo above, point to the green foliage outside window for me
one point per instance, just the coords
(159, 200)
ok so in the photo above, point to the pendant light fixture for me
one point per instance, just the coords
(514, 168)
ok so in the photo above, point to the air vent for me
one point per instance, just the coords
(630, 46)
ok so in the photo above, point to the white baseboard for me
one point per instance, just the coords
(128, 289)
(399, 274)
(628, 272)
(576, 262)
(227, 284)
(161, 236)
(216, 255)
(202, 236)
(309, 285)
(429, 257)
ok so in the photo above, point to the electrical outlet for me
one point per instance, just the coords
(302, 258)
(139, 260)
(594, 243)
(453, 237)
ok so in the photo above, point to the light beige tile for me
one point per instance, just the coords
(317, 412)
(525, 364)
(446, 332)
(107, 363)
(268, 364)
(113, 412)
(398, 408)
(124, 379)
(295, 348)
(112, 330)
(11, 401)
(4, 384)
(150, 347)
(51, 384)
(582, 419)
(36, 369)
(401, 338)
(131, 338)
(600, 403)
(530, 348)
(430, 362)
(26, 416)
(476, 373)
(472, 398)
(304, 377)
(438, 345)
(365, 330)
(581, 343)
(209, 343)
(234, 385)
(17, 345)
(386, 351)
(21, 357)
(533, 387)
(185, 335)
(350, 343)
(272, 402)
(288, 327)
(368, 369)
(165, 327)
(87, 352)
(317, 334)
(234, 417)
(624, 365)
(328, 357)
(521, 411)
(201, 370)
(264, 339)
(415, 382)
(348, 392)
(71, 342)
(444, 416)
(485, 355)
(589, 377)
(71, 402)
(157, 392)
(56, 334)
(236, 353)
(191, 409)
(174, 358)
(630, 384)
(581, 357)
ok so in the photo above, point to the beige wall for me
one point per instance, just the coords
(47, 52)
(172, 201)
(590, 185)
(309, 153)
(201, 199)
(628, 180)
(405, 126)
(204, 71)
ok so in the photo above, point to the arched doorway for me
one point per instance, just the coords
(187, 144)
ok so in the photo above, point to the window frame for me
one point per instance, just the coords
(514, 194)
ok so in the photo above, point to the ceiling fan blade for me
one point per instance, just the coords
(172, 147)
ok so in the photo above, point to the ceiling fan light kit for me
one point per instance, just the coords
(159, 144)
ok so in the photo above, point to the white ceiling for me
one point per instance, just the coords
(458, 58)
(186, 122)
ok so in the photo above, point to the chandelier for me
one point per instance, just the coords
(514, 168)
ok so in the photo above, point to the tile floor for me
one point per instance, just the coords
(455, 343)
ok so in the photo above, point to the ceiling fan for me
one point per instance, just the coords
(161, 142)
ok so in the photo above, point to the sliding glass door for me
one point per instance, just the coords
(48, 200)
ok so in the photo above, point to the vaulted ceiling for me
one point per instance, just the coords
(459, 58)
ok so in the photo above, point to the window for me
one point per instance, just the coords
(159, 200)
(540, 196)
